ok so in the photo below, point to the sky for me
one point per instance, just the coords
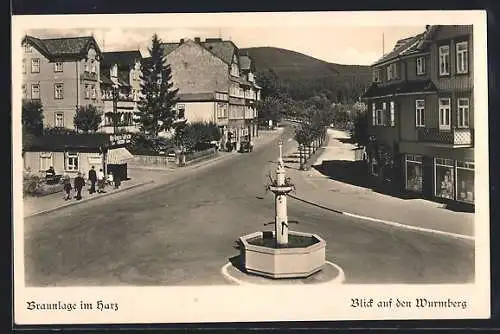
(342, 45)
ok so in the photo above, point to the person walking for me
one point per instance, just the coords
(100, 181)
(93, 180)
(79, 183)
(67, 188)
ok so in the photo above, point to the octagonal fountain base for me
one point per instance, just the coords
(303, 256)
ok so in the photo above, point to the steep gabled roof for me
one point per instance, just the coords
(225, 50)
(169, 47)
(124, 59)
(400, 46)
(56, 48)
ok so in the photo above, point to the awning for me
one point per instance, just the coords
(118, 156)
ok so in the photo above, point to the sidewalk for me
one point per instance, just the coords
(139, 176)
(326, 191)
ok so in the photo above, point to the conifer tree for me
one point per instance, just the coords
(158, 98)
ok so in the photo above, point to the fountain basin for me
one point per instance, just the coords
(302, 257)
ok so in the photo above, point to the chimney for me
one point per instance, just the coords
(182, 40)
(197, 39)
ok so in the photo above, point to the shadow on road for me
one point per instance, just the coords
(355, 173)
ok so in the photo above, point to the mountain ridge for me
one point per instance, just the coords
(306, 76)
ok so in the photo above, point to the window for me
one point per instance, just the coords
(87, 92)
(85, 66)
(94, 92)
(24, 66)
(413, 172)
(27, 48)
(374, 117)
(392, 71)
(420, 113)
(114, 71)
(25, 92)
(35, 65)
(35, 91)
(444, 183)
(181, 111)
(92, 66)
(392, 116)
(462, 53)
(45, 161)
(71, 161)
(444, 60)
(376, 76)
(59, 120)
(465, 181)
(463, 113)
(58, 67)
(59, 91)
(420, 65)
(444, 114)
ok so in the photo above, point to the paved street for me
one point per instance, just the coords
(183, 232)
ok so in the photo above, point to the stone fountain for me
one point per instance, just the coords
(282, 253)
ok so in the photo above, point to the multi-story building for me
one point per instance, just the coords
(422, 117)
(120, 89)
(215, 84)
(63, 73)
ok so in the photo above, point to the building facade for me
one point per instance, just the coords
(120, 90)
(422, 116)
(214, 85)
(64, 74)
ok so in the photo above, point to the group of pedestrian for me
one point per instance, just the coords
(94, 178)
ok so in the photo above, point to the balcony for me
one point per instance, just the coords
(454, 137)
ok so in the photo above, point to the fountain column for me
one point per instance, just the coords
(281, 218)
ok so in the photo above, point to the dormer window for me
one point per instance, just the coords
(420, 66)
(392, 71)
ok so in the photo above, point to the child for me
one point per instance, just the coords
(67, 188)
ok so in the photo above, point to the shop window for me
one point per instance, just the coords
(413, 171)
(374, 167)
(71, 160)
(465, 181)
(45, 161)
(444, 178)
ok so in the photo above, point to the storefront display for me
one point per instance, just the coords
(444, 178)
(413, 164)
(465, 181)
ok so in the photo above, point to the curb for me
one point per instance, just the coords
(88, 199)
(388, 222)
